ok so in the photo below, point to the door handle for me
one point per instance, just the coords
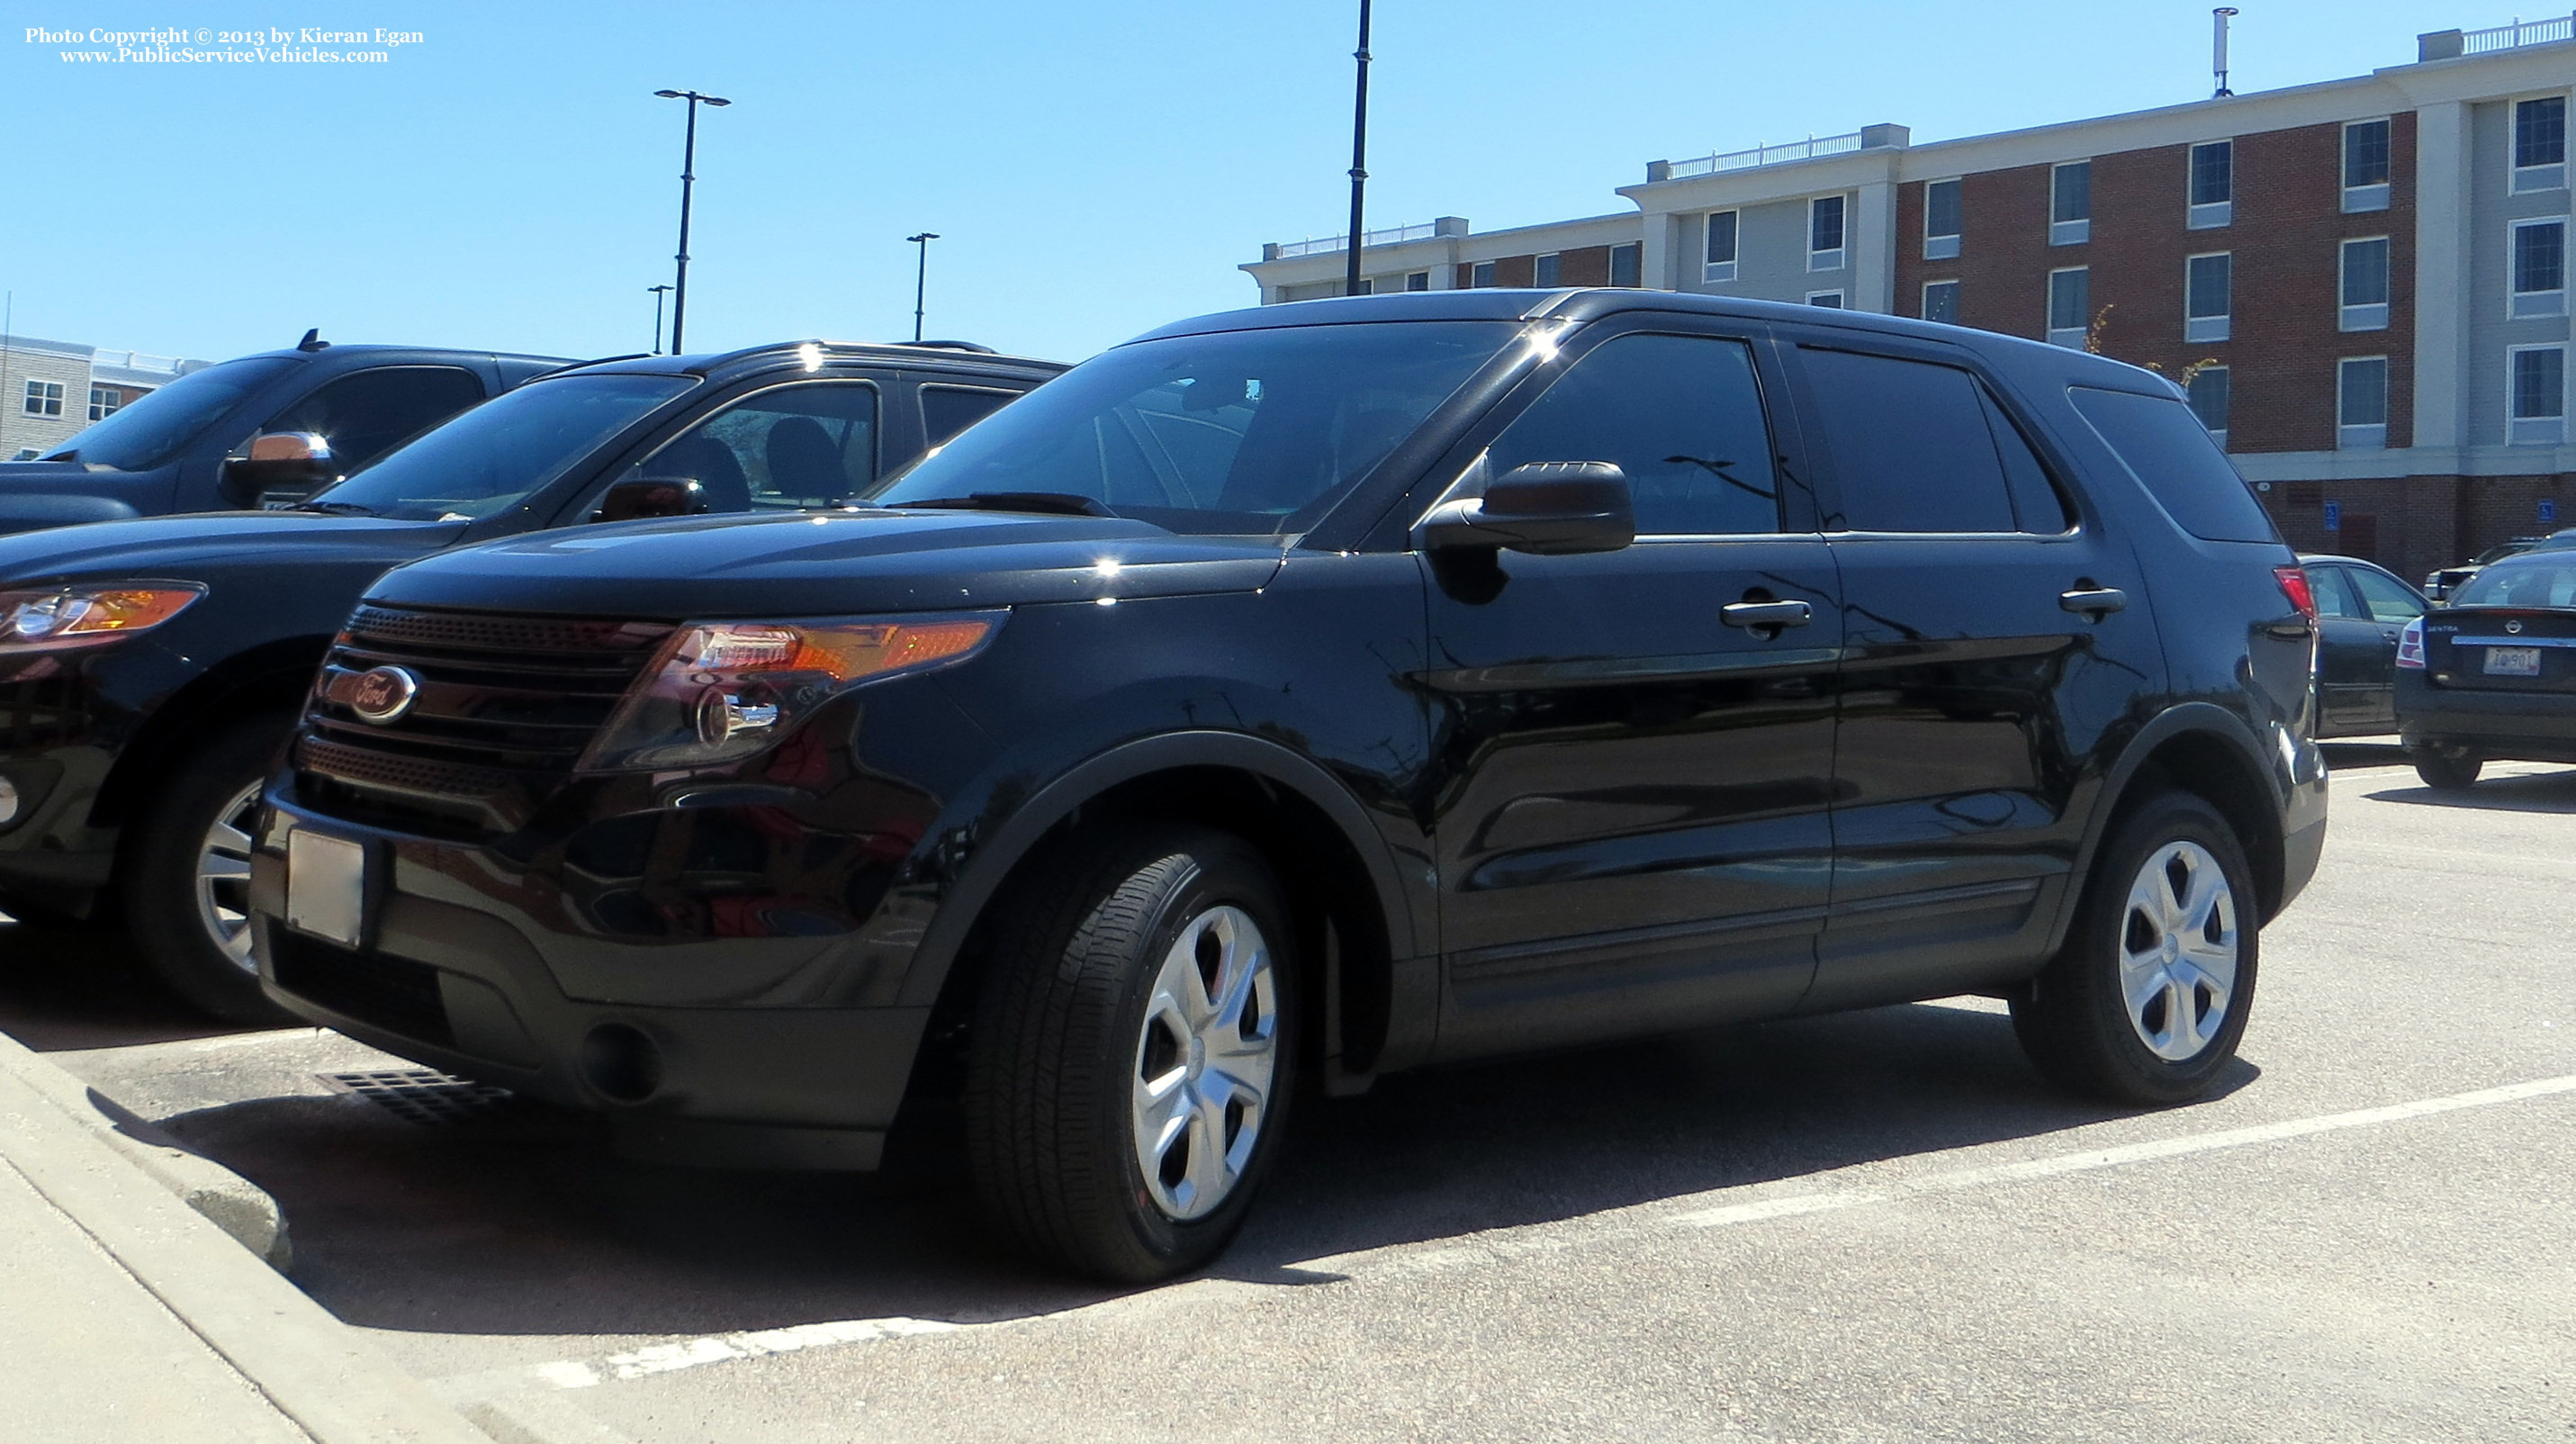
(2094, 602)
(1766, 614)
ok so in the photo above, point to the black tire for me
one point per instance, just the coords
(1061, 1029)
(2077, 1023)
(163, 909)
(2449, 771)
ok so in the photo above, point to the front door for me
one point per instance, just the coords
(1995, 641)
(1633, 782)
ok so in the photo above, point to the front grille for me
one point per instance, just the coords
(506, 705)
(395, 994)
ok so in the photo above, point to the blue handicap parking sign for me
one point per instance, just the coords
(2334, 516)
(2549, 508)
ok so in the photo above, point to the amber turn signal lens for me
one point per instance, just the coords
(77, 616)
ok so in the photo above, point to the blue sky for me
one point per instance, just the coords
(1093, 168)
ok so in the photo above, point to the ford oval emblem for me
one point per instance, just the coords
(2514, 627)
(383, 694)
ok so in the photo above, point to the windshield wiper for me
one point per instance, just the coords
(1056, 503)
(336, 508)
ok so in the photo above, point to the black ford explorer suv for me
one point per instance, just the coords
(1295, 695)
(150, 669)
(266, 429)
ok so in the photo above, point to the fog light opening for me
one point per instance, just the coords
(9, 802)
(620, 1063)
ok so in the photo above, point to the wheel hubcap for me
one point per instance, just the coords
(223, 878)
(2178, 951)
(1205, 1060)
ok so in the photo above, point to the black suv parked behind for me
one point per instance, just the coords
(150, 669)
(266, 429)
(1301, 694)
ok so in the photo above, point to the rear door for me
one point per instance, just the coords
(1632, 786)
(1995, 634)
(2387, 605)
(2352, 672)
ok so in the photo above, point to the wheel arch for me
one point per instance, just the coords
(2205, 750)
(1316, 834)
(271, 677)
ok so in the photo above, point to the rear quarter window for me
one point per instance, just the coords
(2173, 457)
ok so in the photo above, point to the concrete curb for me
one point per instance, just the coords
(233, 1203)
(317, 1371)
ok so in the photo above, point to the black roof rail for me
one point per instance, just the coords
(977, 347)
(577, 365)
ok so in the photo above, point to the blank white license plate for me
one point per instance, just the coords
(2513, 661)
(326, 886)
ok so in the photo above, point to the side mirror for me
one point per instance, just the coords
(283, 468)
(652, 496)
(1546, 508)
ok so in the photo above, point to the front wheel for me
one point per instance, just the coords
(2146, 1001)
(2449, 771)
(1133, 1052)
(187, 884)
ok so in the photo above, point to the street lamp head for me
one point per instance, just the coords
(715, 100)
(924, 236)
(670, 94)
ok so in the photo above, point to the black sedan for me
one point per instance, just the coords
(2493, 675)
(2361, 610)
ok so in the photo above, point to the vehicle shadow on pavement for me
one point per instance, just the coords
(2511, 792)
(527, 1224)
(68, 987)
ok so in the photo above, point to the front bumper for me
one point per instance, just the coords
(458, 978)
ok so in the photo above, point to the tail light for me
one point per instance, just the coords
(2410, 646)
(2294, 585)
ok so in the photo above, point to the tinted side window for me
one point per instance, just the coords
(2385, 600)
(1682, 415)
(2037, 503)
(1910, 445)
(2333, 589)
(365, 413)
(2170, 453)
(788, 447)
(947, 410)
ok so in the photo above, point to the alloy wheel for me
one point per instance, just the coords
(1206, 1058)
(2179, 950)
(223, 877)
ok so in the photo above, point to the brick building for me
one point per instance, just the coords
(49, 390)
(2361, 282)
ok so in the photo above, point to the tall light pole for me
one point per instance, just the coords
(1359, 155)
(658, 292)
(920, 277)
(688, 178)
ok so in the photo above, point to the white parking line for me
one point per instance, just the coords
(1508, 1243)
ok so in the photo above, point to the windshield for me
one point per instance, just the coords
(160, 424)
(487, 459)
(2533, 579)
(1243, 432)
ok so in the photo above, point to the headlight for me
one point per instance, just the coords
(718, 691)
(66, 617)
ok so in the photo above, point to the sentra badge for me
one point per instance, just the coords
(383, 694)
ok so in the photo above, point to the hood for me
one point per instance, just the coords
(195, 547)
(830, 564)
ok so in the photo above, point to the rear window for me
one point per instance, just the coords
(2534, 579)
(2171, 454)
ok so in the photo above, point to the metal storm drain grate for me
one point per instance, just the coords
(426, 1096)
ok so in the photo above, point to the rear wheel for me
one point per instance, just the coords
(187, 885)
(2147, 1000)
(1133, 1052)
(2449, 771)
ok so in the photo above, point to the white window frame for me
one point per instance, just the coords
(1924, 310)
(2368, 316)
(2530, 305)
(1545, 285)
(2068, 336)
(1712, 270)
(1412, 276)
(2534, 430)
(2367, 435)
(104, 401)
(2373, 197)
(1943, 248)
(2217, 434)
(2208, 215)
(1830, 299)
(2070, 232)
(1637, 251)
(1482, 274)
(41, 398)
(1828, 260)
(2528, 179)
(2198, 329)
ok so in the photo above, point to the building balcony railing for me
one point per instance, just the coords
(1814, 147)
(1392, 236)
(2452, 44)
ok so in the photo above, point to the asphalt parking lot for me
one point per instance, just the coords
(1877, 1226)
